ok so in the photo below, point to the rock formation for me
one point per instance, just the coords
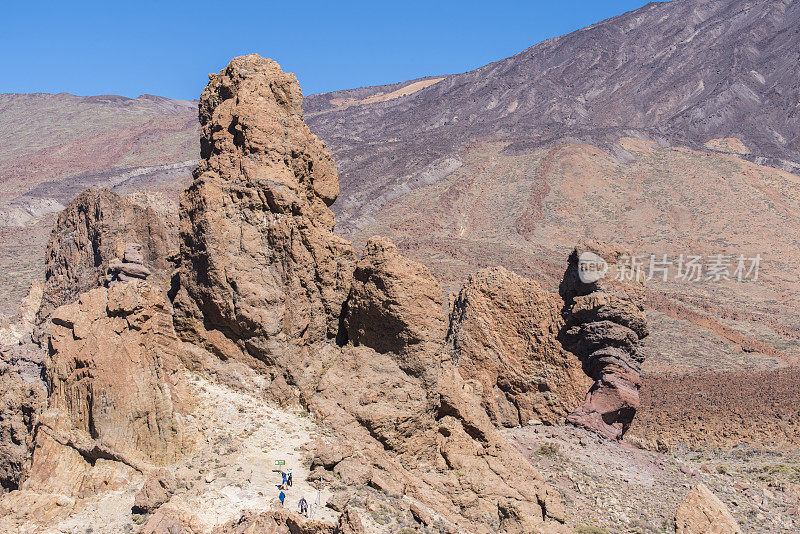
(112, 376)
(266, 291)
(95, 230)
(386, 394)
(20, 404)
(605, 320)
(114, 393)
(701, 512)
(20, 328)
(504, 336)
(264, 280)
(22, 391)
(395, 306)
(131, 267)
(260, 264)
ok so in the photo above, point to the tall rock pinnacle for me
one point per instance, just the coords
(260, 264)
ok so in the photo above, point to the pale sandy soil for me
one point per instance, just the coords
(231, 470)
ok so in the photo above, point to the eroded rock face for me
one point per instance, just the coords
(701, 512)
(604, 322)
(417, 426)
(21, 402)
(20, 328)
(260, 264)
(504, 336)
(94, 231)
(114, 391)
(396, 306)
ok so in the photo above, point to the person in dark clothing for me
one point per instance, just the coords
(283, 484)
(289, 478)
(303, 504)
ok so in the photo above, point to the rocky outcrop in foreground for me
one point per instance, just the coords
(504, 336)
(604, 322)
(271, 303)
(114, 393)
(264, 280)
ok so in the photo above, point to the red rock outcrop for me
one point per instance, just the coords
(93, 232)
(604, 322)
(264, 280)
(418, 427)
(260, 264)
(504, 336)
(395, 306)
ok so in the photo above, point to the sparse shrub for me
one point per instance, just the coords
(549, 449)
(722, 469)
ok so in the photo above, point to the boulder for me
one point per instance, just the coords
(131, 267)
(504, 334)
(260, 266)
(280, 522)
(157, 490)
(702, 512)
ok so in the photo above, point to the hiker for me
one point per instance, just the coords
(281, 497)
(283, 484)
(303, 506)
(289, 478)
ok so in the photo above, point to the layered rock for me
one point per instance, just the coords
(605, 320)
(701, 512)
(93, 232)
(131, 267)
(504, 336)
(260, 265)
(114, 391)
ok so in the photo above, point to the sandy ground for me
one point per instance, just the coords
(231, 470)
(235, 469)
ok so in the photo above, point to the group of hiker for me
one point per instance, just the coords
(284, 486)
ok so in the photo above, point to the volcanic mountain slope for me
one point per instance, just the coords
(682, 72)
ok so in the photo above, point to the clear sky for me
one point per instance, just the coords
(168, 48)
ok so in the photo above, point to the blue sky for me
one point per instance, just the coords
(168, 48)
